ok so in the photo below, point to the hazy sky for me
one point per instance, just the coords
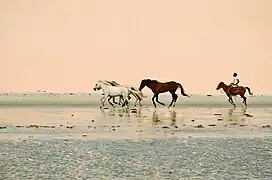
(67, 45)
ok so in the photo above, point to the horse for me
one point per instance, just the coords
(162, 87)
(110, 83)
(133, 91)
(112, 91)
(234, 91)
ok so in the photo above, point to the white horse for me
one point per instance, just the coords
(109, 83)
(112, 91)
(133, 91)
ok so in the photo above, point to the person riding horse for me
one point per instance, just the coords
(236, 81)
(234, 89)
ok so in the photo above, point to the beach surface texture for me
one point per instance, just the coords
(67, 136)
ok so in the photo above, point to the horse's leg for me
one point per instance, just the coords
(136, 102)
(157, 99)
(104, 100)
(140, 102)
(137, 99)
(175, 100)
(121, 98)
(135, 96)
(113, 100)
(231, 101)
(109, 100)
(244, 99)
(173, 97)
(125, 101)
(153, 100)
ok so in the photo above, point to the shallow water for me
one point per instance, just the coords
(135, 123)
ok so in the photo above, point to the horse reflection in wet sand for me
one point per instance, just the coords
(156, 120)
(162, 87)
(234, 91)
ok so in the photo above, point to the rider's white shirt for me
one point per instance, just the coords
(235, 80)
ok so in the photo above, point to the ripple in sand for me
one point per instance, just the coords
(199, 126)
(70, 127)
(248, 115)
(165, 127)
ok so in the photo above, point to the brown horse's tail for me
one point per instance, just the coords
(249, 90)
(182, 90)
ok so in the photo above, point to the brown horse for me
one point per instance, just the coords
(159, 87)
(234, 91)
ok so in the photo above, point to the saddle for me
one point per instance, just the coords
(233, 88)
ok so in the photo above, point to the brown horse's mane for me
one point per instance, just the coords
(152, 80)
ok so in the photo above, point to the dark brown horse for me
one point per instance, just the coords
(234, 91)
(159, 87)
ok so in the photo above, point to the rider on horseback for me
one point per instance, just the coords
(235, 80)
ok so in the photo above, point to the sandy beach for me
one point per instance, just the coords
(75, 142)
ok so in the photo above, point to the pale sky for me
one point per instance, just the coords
(67, 45)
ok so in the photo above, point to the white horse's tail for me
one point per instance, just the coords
(141, 93)
(137, 94)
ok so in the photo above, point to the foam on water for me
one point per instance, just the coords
(85, 99)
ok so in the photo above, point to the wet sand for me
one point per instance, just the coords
(135, 143)
(133, 123)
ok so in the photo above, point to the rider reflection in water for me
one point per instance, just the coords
(235, 80)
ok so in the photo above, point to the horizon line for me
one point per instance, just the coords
(92, 92)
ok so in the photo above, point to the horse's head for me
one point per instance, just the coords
(144, 82)
(97, 86)
(220, 85)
